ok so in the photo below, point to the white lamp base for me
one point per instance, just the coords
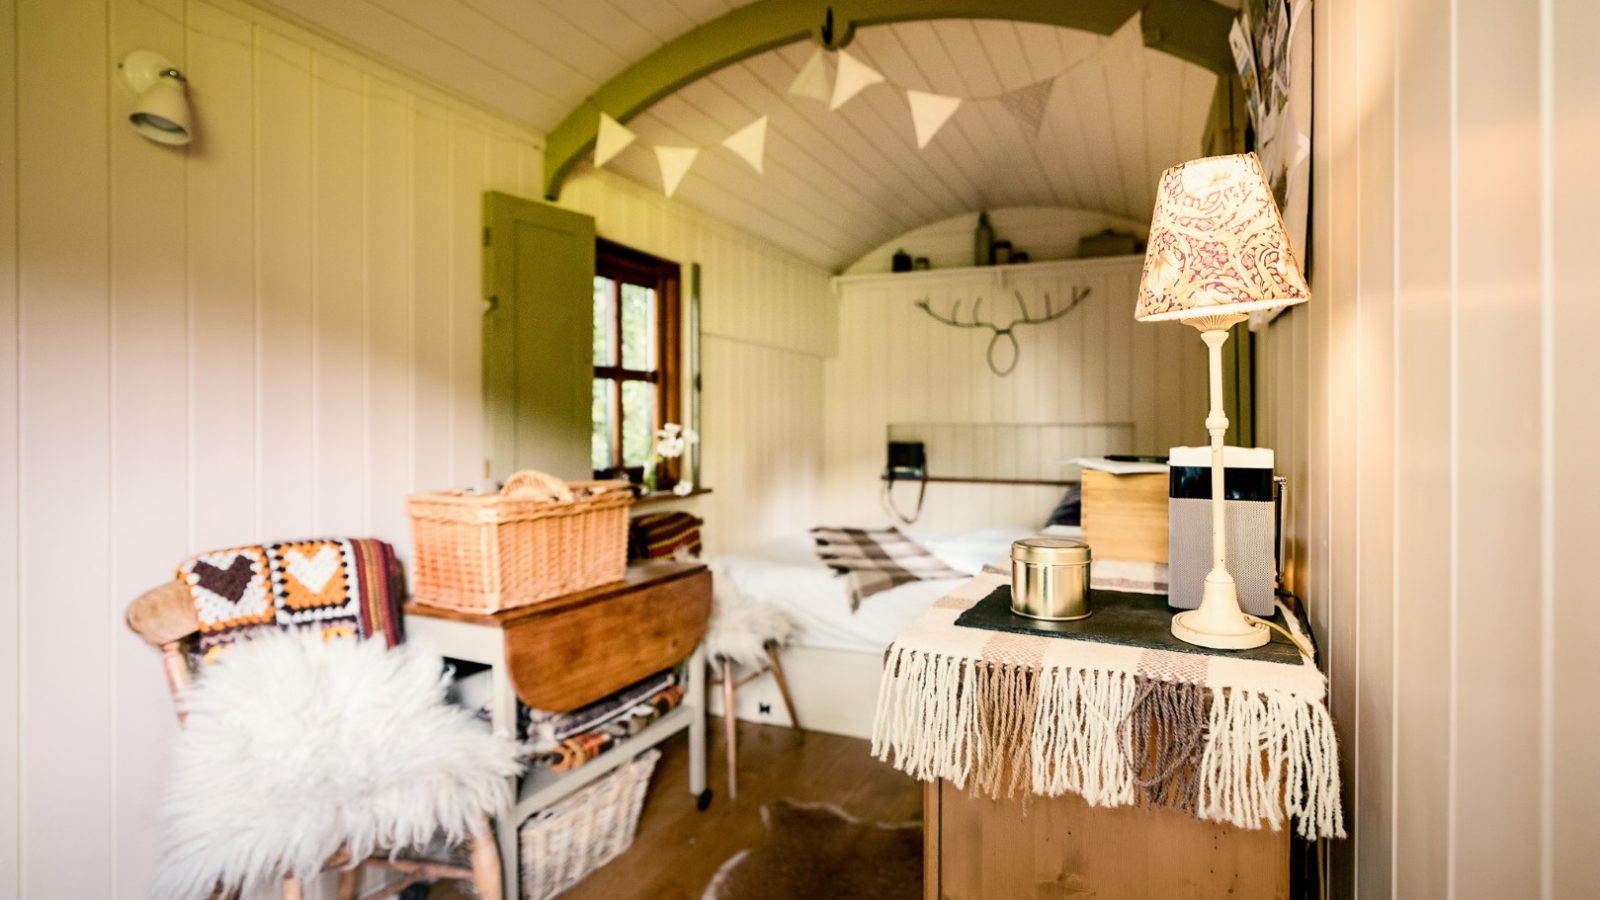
(1183, 628)
(1219, 623)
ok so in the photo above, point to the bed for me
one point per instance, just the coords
(833, 664)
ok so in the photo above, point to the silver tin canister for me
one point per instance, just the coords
(1050, 579)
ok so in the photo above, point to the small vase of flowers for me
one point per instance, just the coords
(672, 441)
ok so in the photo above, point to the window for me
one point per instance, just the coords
(635, 358)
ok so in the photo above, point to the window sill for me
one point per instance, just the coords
(668, 496)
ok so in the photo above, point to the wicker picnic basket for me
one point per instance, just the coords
(564, 843)
(538, 538)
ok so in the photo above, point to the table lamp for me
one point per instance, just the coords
(1217, 250)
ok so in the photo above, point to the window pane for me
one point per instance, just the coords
(602, 322)
(638, 422)
(637, 347)
(600, 440)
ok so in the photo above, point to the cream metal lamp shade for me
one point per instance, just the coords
(1217, 244)
(161, 110)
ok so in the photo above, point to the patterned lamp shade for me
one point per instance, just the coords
(1217, 244)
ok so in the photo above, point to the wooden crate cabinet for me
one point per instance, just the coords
(1061, 847)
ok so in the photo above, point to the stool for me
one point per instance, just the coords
(748, 633)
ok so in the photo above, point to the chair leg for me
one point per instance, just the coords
(349, 880)
(730, 727)
(293, 890)
(783, 683)
(487, 873)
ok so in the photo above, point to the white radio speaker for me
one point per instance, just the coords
(1251, 521)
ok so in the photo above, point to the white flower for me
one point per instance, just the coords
(683, 488)
(673, 439)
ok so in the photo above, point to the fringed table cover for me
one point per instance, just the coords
(1228, 740)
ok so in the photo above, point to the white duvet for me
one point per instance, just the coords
(787, 574)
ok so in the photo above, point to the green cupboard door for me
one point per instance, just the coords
(538, 337)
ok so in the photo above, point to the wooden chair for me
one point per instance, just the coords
(165, 618)
(730, 722)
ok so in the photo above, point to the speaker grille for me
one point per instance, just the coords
(1250, 556)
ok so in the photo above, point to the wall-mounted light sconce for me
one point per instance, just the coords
(161, 112)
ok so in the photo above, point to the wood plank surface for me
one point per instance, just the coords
(1062, 847)
(678, 849)
(564, 660)
(1125, 516)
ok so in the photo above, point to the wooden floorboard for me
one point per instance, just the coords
(678, 848)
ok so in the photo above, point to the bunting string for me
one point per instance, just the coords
(849, 77)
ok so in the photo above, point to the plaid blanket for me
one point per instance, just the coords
(341, 587)
(1242, 741)
(877, 559)
(543, 730)
(578, 749)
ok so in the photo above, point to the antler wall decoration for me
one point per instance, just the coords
(1008, 332)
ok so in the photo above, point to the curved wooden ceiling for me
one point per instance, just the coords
(838, 183)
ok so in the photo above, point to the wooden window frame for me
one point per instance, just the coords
(625, 265)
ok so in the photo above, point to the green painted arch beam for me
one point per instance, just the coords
(1193, 30)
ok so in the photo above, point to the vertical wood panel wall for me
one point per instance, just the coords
(273, 334)
(1434, 407)
(1095, 365)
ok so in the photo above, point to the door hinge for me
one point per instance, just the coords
(486, 235)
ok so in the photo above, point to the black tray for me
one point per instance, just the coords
(1133, 620)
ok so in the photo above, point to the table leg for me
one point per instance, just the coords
(697, 727)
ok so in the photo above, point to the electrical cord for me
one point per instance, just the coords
(1299, 644)
(887, 499)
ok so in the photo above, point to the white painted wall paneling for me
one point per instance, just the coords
(273, 333)
(1427, 406)
(1096, 365)
(768, 320)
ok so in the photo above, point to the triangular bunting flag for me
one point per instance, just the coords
(1027, 104)
(853, 75)
(929, 112)
(750, 142)
(610, 141)
(813, 79)
(675, 163)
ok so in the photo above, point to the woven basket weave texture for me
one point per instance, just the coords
(563, 844)
(536, 539)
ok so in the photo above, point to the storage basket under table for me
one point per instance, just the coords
(564, 843)
(538, 538)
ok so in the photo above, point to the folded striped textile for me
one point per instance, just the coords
(578, 749)
(664, 534)
(1231, 740)
(341, 586)
(542, 729)
(877, 559)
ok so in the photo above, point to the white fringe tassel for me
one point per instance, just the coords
(1266, 756)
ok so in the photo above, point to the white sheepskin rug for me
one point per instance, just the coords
(741, 627)
(295, 747)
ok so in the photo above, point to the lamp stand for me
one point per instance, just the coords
(1218, 623)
